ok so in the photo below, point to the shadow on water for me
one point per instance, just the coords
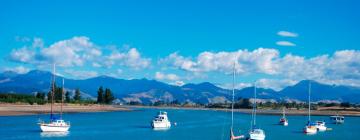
(142, 126)
(53, 134)
(298, 132)
(161, 129)
(149, 127)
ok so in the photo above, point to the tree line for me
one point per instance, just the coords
(104, 97)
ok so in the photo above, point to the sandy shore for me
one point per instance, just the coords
(320, 112)
(21, 109)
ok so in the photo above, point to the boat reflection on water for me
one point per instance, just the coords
(161, 129)
(54, 134)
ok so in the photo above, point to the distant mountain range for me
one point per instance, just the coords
(147, 91)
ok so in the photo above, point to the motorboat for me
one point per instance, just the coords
(161, 121)
(337, 119)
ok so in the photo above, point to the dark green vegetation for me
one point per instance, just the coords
(42, 98)
(104, 98)
(23, 98)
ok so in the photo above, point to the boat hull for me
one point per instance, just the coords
(161, 125)
(284, 123)
(256, 136)
(310, 130)
(321, 128)
(47, 128)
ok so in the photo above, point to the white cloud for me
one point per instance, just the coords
(285, 43)
(81, 74)
(19, 69)
(275, 84)
(131, 58)
(287, 34)
(177, 83)
(71, 52)
(38, 42)
(259, 60)
(23, 55)
(95, 64)
(163, 76)
(77, 51)
(342, 68)
(66, 53)
(237, 85)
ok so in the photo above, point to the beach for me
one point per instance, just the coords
(25, 109)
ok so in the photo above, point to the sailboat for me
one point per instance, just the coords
(283, 119)
(55, 124)
(310, 127)
(232, 136)
(255, 133)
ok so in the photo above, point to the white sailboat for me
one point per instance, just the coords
(161, 121)
(320, 125)
(255, 133)
(232, 136)
(310, 127)
(55, 124)
(283, 120)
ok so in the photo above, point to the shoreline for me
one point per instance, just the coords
(289, 112)
(25, 109)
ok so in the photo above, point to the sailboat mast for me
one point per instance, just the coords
(232, 103)
(255, 104)
(52, 91)
(309, 99)
(62, 99)
(283, 112)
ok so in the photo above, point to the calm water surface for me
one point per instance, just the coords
(191, 124)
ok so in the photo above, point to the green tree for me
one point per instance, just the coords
(77, 96)
(49, 95)
(40, 95)
(100, 97)
(345, 104)
(108, 96)
(58, 94)
(243, 103)
(67, 97)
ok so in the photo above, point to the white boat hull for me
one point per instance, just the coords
(321, 128)
(310, 130)
(256, 136)
(47, 128)
(161, 124)
(284, 123)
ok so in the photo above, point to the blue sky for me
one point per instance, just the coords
(312, 30)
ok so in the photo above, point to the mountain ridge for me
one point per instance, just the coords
(149, 91)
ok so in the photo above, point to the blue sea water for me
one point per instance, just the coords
(191, 125)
